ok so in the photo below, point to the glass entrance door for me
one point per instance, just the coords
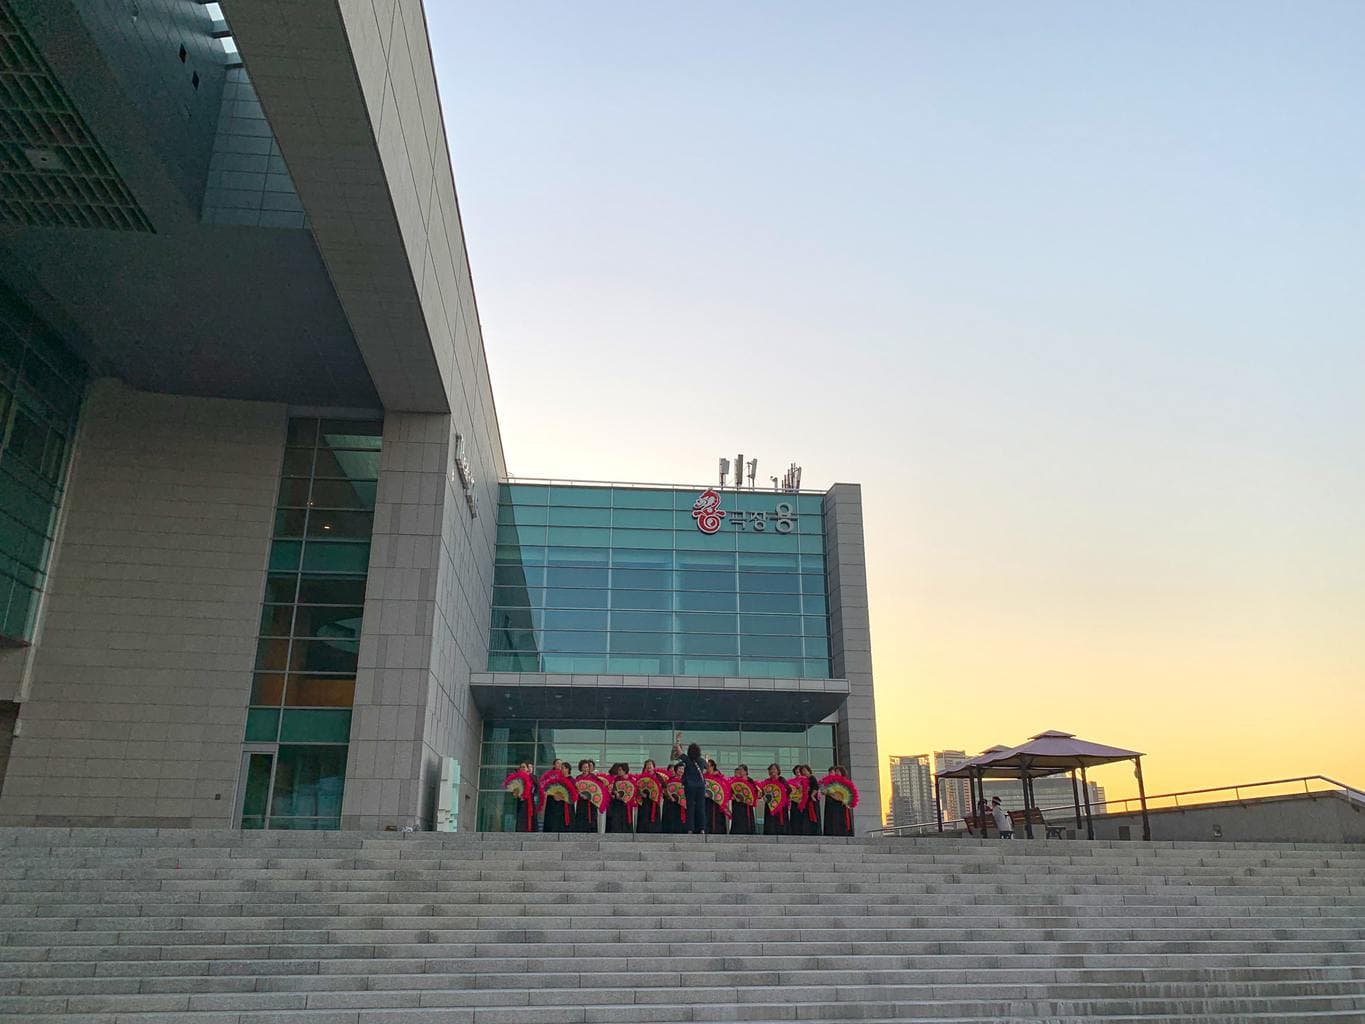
(258, 770)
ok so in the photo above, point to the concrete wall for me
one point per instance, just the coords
(1316, 818)
(136, 702)
(851, 647)
(426, 625)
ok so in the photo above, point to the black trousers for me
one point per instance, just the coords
(696, 809)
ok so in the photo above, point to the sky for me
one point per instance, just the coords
(1075, 292)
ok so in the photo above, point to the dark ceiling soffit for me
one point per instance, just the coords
(640, 703)
(300, 62)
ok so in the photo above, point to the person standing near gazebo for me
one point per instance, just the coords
(1003, 824)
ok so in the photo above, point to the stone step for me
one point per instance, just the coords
(286, 933)
(1041, 985)
(715, 1003)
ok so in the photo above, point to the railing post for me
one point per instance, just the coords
(1142, 795)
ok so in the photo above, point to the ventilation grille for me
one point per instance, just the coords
(52, 171)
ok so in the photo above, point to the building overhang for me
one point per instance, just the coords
(698, 699)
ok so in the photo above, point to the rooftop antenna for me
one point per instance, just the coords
(724, 470)
(753, 471)
(739, 470)
(774, 480)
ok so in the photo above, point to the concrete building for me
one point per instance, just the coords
(912, 790)
(261, 559)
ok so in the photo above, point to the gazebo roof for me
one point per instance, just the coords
(1048, 753)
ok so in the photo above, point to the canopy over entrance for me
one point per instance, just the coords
(1049, 753)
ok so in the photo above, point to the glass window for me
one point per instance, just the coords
(771, 646)
(654, 570)
(289, 523)
(639, 497)
(332, 590)
(788, 625)
(576, 556)
(262, 725)
(561, 618)
(336, 556)
(579, 496)
(697, 580)
(518, 575)
(343, 494)
(267, 688)
(770, 603)
(504, 597)
(704, 601)
(308, 786)
(336, 622)
(298, 461)
(641, 621)
(579, 536)
(648, 519)
(644, 599)
(336, 656)
(320, 691)
(641, 643)
(636, 558)
(315, 726)
(708, 643)
(565, 576)
(335, 524)
(346, 465)
(561, 641)
(276, 619)
(642, 579)
(704, 622)
(579, 517)
(521, 515)
(565, 597)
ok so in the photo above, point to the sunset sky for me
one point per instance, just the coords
(1074, 291)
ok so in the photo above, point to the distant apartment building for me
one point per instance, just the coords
(955, 793)
(912, 790)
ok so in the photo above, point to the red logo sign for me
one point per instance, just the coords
(707, 512)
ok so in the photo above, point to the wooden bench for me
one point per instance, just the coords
(1035, 817)
(973, 824)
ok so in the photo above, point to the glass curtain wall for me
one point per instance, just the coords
(304, 684)
(507, 744)
(41, 386)
(621, 580)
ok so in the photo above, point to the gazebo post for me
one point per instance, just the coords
(938, 800)
(1142, 797)
(1076, 796)
(1089, 820)
(1028, 825)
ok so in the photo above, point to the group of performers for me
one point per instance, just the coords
(671, 800)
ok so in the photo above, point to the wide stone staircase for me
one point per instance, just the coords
(141, 926)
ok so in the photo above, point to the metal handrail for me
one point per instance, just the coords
(1352, 794)
(558, 482)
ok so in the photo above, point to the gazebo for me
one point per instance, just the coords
(1048, 753)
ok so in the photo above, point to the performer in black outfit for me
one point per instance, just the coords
(526, 805)
(838, 817)
(741, 814)
(648, 817)
(692, 771)
(807, 822)
(618, 811)
(775, 823)
(584, 812)
(715, 813)
(671, 814)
